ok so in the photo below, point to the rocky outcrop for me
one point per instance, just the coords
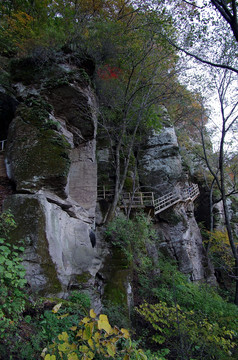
(160, 169)
(59, 251)
(50, 157)
(159, 161)
(180, 236)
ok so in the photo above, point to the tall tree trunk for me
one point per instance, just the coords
(120, 179)
(225, 206)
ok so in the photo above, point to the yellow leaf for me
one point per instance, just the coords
(103, 324)
(73, 328)
(64, 336)
(65, 347)
(72, 356)
(114, 339)
(111, 349)
(43, 353)
(87, 333)
(85, 320)
(91, 344)
(56, 308)
(50, 357)
(125, 333)
(79, 333)
(73, 346)
(92, 314)
(103, 317)
(62, 316)
(97, 335)
(90, 355)
(84, 349)
(116, 330)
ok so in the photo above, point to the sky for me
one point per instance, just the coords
(210, 39)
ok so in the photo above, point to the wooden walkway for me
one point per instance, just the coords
(147, 199)
(187, 194)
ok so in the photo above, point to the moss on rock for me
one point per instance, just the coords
(117, 273)
(38, 155)
(30, 219)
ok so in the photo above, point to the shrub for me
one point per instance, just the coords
(131, 236)
(94, 339)
(12, 281)
(186, 334)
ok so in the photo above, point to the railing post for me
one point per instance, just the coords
(141, 198)
(2, 144)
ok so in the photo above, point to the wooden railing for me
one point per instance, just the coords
(191, 193)
(137, 199)
(2, 144)
(187, 194)
(146, 199)
(165, 201)
(105, 192)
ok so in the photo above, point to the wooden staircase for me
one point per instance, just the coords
(187, 194)
(147, 199)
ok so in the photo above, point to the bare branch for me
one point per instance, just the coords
(221, 66)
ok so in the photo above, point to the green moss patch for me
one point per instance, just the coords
(38, 153)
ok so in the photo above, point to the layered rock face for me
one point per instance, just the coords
(50, 157)
(160, 163)
(160, 169)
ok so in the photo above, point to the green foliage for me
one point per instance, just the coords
(185, 333)
(37, 111)
(26, 26)
(115, 313)
(81, 299)
(154, 118)
(7, 223)
(158, 355)
(94, 339)
(132, 236)
(189, 319)
(12, 281)
(41, 326)
(219, 250)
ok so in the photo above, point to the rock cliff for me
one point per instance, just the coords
(51, 162)
(160, 169)
(50, 159)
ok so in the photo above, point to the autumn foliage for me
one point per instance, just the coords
(94, 337)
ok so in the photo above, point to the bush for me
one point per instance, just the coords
(132, 236)
(94, 339)
(189, 319)
(12, 281)
(186, 334)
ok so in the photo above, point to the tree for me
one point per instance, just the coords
(130, 87)
(207, 31)
(229, 121)
(228, 10)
